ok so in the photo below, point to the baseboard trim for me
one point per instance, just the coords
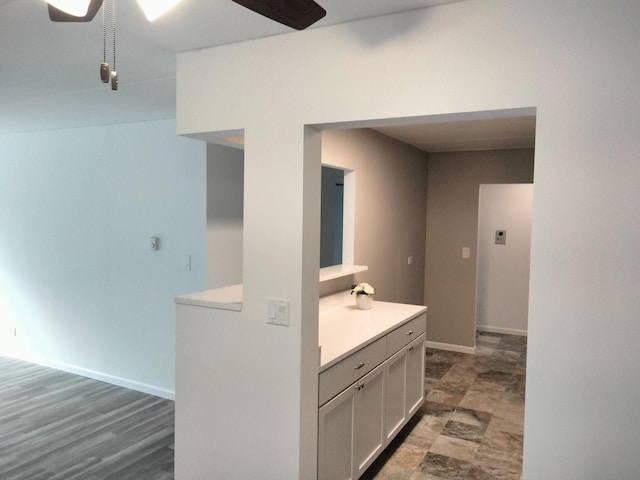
(506, 331)
(102, 377)
(451, 347)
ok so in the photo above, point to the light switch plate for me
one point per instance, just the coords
(501, 237)
(278, 311)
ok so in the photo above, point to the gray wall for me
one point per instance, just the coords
(225, 188)
(452, 223)
(391, 183)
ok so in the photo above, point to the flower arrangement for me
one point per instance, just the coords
(363, 289)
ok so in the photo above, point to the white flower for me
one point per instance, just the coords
(363, 289)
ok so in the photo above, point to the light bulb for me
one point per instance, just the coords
(77, 8)
(154, 8)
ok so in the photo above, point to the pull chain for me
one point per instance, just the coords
(104, 66)
(114, 73)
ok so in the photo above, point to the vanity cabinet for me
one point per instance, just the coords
(367, 397)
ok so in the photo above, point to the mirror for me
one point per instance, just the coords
(331, 217)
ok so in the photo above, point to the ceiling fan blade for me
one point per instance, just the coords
(57, 15)
(298, 14)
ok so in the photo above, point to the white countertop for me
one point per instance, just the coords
(230, 298)
(343, 329)
(338, 271)
(226, 298)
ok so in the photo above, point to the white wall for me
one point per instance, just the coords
(577, 64)
(77, 278)
(225, 189)
(503, 270)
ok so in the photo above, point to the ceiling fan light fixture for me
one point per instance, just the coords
(155, 8)
(77, 8)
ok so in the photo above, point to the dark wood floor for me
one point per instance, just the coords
(59, 426)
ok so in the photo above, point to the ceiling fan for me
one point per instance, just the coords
(298, 14)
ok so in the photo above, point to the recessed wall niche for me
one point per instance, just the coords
(225, 192)
(331, 216)
(336, 216)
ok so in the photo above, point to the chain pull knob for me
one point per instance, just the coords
(114, 80)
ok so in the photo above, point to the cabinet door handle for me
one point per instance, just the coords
(359, 366)
(410, 332)
(410, 349)
(360, 386)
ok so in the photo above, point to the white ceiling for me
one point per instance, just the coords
(495, 132)
(49, 71)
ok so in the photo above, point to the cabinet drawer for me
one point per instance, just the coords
(338, 377)
(401, 336)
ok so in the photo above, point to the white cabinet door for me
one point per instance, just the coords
(404, 386)
(395, 388)
(335, 437)
(415, 375)
(351, 429)
(368, 425)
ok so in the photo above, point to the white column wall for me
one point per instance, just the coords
(577, 63)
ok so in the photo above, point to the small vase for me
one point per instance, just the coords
(364, 302)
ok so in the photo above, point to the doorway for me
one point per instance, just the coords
(463, 151)
(504, 249)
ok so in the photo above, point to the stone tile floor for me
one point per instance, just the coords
(471, 424)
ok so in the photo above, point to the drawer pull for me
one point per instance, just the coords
(359, 366)
(410, 332)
